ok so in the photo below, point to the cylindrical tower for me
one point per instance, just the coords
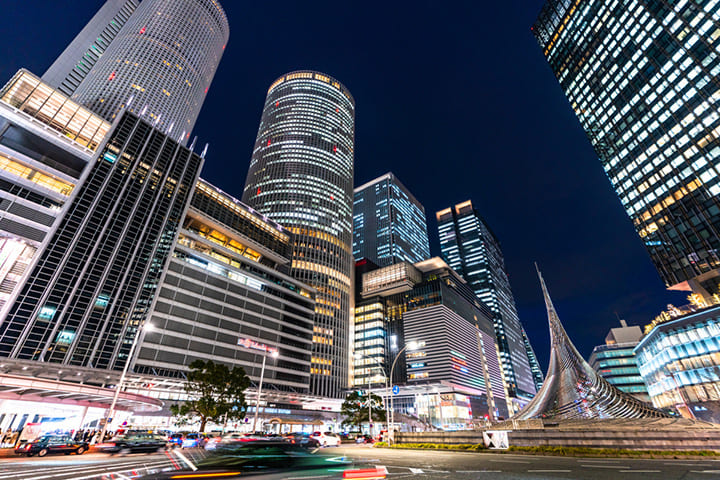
(165, 57)
(301, 176)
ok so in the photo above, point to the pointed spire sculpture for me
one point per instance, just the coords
(572, 389)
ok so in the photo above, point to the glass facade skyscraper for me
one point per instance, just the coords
(473, 251)
(301, 176)
(643, 78)
(76, 61)
(95, 281)
(389, 224)
(165, 57)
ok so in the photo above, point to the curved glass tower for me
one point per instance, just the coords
(301, 176)
(165, 57)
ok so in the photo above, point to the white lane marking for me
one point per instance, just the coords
(98, 471)
(705, 471)
(605, 466)
(62, 470)
(549, 471)
(416, 470)
(507, 461)
(639, 471)
(478, 471)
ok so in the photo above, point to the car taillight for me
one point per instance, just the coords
(27, 447)
(366, 473)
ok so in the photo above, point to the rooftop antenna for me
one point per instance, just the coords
(144, 110)
(192, 145)
(204, 152)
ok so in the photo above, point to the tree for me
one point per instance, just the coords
(355, 409)
(215, 391)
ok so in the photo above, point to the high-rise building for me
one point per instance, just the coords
(165, 57)
(534, 364)
(642, 78)
(228, 284)
(455, 362)
(97, 275)
(471, 249)
(76, 61)
(44, 148)
(615, 361)
(389, 224)
(301, 176)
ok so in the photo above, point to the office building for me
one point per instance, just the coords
(454, 374)
(572, 389)
(642, 78)
(679, 360)
(534, 364)
(76, 61)
(96, 277)
(616, 362)
(164, 57)
(389, 224)
(46, 142)
(301, 176)
(228, 284)
(472, 250)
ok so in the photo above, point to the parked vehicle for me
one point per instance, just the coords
(364, 438)
(134, 443)
(193, 440)
(52, 444)
(327, 439)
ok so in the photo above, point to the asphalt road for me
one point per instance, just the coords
(401, 464)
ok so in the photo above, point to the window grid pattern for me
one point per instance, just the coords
(93, 285)
(643, 77)
(165, 57)
(472, 250)
(301, 175)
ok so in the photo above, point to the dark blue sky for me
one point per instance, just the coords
(457, 100)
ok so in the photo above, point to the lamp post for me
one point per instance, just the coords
(358, 356)
(274, 354)
(148, 327)
(408, 346)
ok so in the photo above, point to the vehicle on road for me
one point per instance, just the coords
(270, 460)
(327, 439)
(134, 443)
(302, 439)
(176, 439)
(193, 440)
(364, 438)
(46, 444)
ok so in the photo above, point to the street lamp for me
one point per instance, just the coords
(148, 327)
(273, 353)
(358, 356)
(410, 346)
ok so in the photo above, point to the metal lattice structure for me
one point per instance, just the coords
(572, 389)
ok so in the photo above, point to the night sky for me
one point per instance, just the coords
(457, 100)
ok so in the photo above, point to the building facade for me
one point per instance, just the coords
(301, 176)
(164, 57)
(679, 360)
(471, 249)
(389, 224)
(227, 290)
(95, 280)
(76, 61)
(642, 78)
(46, 142)
(456, 360)
(537, 373)
(615, 361)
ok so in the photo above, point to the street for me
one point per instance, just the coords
(430, 465)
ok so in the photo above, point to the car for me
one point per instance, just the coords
(270, 460)
(193, 440)
(327, 439)
(176, 439)
(134, 443)
(45, 444)
(364, 438)
(302, 439)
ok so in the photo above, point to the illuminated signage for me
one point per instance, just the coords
(252, 344)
